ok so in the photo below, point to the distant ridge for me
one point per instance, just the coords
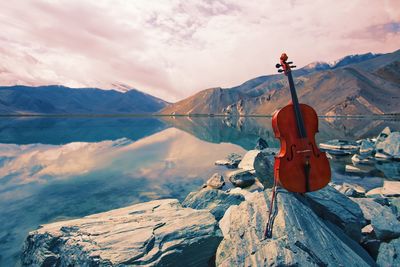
(363, 84)
(55, 99)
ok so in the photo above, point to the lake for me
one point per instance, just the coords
(67, 167)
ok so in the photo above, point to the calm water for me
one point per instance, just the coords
(58, 168)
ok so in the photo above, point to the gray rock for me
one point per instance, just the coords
(232, 161)
(216, 181)
(241, 178)
(390, 169)
(383, 135)
(367, 147)
(216, 201)
(390, 145)
(361, 169)
(335, 207)
(358, 159)
(299, 236)
(156, 233)
(351, 190)
(383, 221)
(395, 206)
(389, 254)
(261, 144)
(389, 189)
(258, 162)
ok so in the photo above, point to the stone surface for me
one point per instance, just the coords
(389, 189)
(358, 159)
(391, 169)
(156, 233)
(383, 135)
(216, 201)
(241, 178)
(376, 192)
(389, 254)
(258, 162)
(395, 206)
(232, 161)
(367, 147)
(383, 221)
(299, 236)
(335, 207)
(351, 190)
(358, 169)
(216, 181)
(390, 145)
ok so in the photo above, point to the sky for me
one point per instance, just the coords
(175, 48)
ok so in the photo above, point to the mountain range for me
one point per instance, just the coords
(54, 99)
(354, 85)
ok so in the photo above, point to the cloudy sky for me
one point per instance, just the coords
(174, 48)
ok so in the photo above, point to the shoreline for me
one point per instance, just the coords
(378, 116)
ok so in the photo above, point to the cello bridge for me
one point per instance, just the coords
(303, 151)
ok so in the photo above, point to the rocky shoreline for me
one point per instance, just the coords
(220, 225)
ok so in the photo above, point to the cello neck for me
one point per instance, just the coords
(299, 119)
(287, 70)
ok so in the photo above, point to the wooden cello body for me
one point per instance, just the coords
(300, 166)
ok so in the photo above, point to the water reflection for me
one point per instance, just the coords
(57, 168)
(245, 131)
(56, 130)
(43, 183)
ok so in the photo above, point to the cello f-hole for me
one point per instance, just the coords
(292, 148)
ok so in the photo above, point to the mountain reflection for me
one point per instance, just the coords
(244, 131)
(63, 130)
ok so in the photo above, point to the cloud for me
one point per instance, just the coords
(172, 49)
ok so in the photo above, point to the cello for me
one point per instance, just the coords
(300, 166)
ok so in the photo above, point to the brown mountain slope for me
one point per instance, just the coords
(368, 87)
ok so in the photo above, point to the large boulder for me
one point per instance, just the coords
(216, 181)
(335, 207)
(390, 145)
(299, 236)
(258, 162)
(156, 233)
(216, 201)
(389, 254)
(241, 178)
(383, 221)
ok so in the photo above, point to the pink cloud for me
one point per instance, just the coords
(172, 49)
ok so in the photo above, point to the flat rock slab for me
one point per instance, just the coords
(216, 201)
(156, 233)
(337, 208)
(383, 221)
(299, 236)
